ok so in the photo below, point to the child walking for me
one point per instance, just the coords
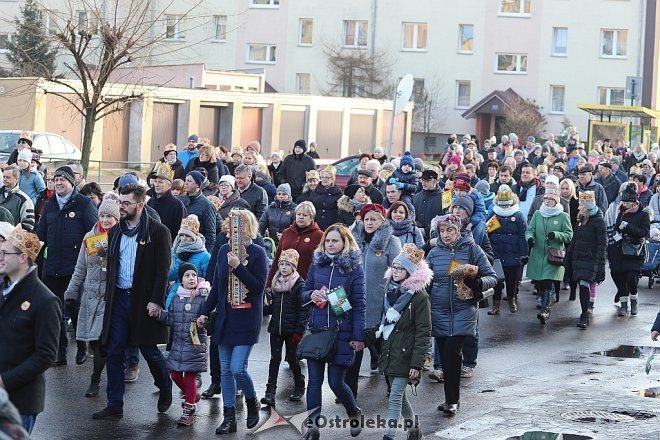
(286, 325)
(187, 342)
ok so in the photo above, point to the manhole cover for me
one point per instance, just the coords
(596, 416)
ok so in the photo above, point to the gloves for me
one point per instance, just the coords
(71, 307)
(551, 235)
(399, 185)
(530, 242)
(474, 284)
(393, 180)
(524, 260)
(295, 338)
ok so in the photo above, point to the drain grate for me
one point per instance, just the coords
(597, 416)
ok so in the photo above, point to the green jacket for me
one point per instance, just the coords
(538, 228)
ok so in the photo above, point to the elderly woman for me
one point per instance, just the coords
(349, 205)
(325, 197)
(279, 215)
(404, 225)
(230, 197)
(238, 319)
(206, 160)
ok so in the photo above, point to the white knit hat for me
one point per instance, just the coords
(228, 179)
(25, 154)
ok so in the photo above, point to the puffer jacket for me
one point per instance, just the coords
(407, 232)
(206, 213)
(198, 259)
(428, 204)
(410, 181)
(32, 184)
(325, 200)
(377, 256)
(344, 270)
(277, 217)
(289, 314)
(508, 241)
(636, 230)
(585, 256)
(88, 284)
(184, 356)
(451, 316)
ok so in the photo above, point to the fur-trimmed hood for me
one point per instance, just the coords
(380, 239)
(418, 281)
(347, 262)
(344, 205)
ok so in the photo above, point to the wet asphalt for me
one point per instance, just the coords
(528, 378)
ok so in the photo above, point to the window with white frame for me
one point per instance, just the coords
(4, 39)
(466, 38)
(174, 27)
(557, 99)
(355, 33)
(611, 96)
(414, 36)
(516, 7)
(559, 41)
(303, 81)
(219, 28)
(463, 94)
(264, 3)
(613, 43)
(305, 31)
(511, 63)
(261, 53)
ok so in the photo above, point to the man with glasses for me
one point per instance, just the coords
(169, 208)
(30, 317)
(190, 151)
(15, 201)
(66, 219)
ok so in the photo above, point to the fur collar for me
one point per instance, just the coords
(346, 262)
(343, 204)
(418, 281)
(380, 239)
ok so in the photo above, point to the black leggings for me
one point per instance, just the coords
(99, 361)
(626, 283)
(511, 278)
(276, 342)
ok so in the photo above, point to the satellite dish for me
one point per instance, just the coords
(403, 92)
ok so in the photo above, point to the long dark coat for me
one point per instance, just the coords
(585, 257)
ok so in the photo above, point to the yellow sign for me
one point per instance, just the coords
(446, 199)
(493, 224)
(453, 266)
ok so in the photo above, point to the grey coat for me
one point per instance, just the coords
(377, 257)
(451, 316)
(88, 284)
(184, 356)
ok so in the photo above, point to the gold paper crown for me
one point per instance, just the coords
(290, 256)
(330, 169)
(25, 135)
(164, 171)
(191, 224)
(312, 174)
(25, 241)
(587, 196)
(412, 252)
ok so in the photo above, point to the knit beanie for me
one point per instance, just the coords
(229, 180)
(25, 154)
(466, 203)
(552, 180)
(462, 182)
(587, 199)
(372, 207)
(5, 229)
(551, 193)
(109, 205)
(455, 159)
(450, 220)
(629, 194)
(285, 188)
(185, 267)
(127, 179)
(351, 190)
(504, 196)
(290, 256)
(407, 159)
(409, 258)
(302, 144)
(197, 177)
(482, 187)
(67, 173)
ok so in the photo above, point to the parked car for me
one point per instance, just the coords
(345, 167)
(51, 146)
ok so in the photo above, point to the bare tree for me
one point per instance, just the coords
(430, 105)
(524, 117)
(358, 72)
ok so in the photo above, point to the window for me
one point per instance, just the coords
(355, 33)
(515, 7)
(305, 28)
(4, 39)
(613, 43)
(466, 38)
(511, 63)
(219, 28)
(559, 41)
(557, 99)
(414, 36)
(418, 90)
(174, 27)
(462, 94)
(264, 3)
(261, 53)
(611, 96)
(302, 83)
(48, 19)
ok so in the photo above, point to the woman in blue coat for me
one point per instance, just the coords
(453, 318)
(238, 322)
(337, 262)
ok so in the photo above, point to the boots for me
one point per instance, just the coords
(584, 321)
(572, 295)
(496, 308)
(591, 307)
(94, 387)
(228, 422)
(544, 314)
(633, 307)
(311, 434)
(81, 354)
(623, 310)
(356, 428)
(299, 390)
(512, 305)
(269, 398)
(415, 434)
(253, 408)
(212, 390)
(188, 416)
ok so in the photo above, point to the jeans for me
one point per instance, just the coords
(132, 357)
(117, 343)
(450, 347)
(276, 342)
(58, 286)
(398, 405)
(234, 363)
(28, 421)
(336, 380)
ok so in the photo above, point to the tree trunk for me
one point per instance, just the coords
(89, 120)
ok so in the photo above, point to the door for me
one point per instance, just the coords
(163, 130)
(115, 135)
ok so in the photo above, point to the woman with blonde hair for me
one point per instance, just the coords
(325, 197)
(206, 159)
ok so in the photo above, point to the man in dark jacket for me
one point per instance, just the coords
(138, 263)
(30, 319)
(294, 168)
(610, 183)
(197, 204)
(250, 192)
(427, 202)
(169, 208)
(365, 180)
(66, 219)
(586, 183)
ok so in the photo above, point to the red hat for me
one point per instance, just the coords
(455, 159)
(462, 182)
(372, 207)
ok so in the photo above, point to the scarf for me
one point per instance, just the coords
(548, 212)
(100, 228)
(642, 189)
(356, 205)
(583, 217)
(403, 227)
(63, 200)
(639, 156)
(191, 293)
(282, 284)
(506, 212)
(632, 210)
(142, 231)
(393, 304)
(523, 193)
(183, 250)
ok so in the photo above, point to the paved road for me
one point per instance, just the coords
(528, 378)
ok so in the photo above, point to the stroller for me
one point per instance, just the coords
(651, 267)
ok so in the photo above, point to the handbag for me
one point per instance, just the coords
(630, 249)
(556, 257)
(319, 343)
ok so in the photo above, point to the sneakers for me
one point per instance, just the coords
(108, 413)
(428, 362)
(131, 374)
(467, 372)
(437, 376)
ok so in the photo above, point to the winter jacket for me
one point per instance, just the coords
(451, 316)
(635, 231)
(171, 211)
(233, 201)
(256, 197)
(410, 181)
(479, 212)
(32, 184)
(374, 194)
(342, 270)
(611, 185)
(377, 256)
(198, 259)
(238, 326)
(277, 217)
(644, 198)
(62, 231)
(294, 172)
(206, 214)
(274, 174)
(428, 205)
(508, 241)
(585, 256)
(88, 285)
(599, 191)
(209, 188)
(186, 156)
(346, 212)
(325, 200)
(407, 232)
(289, 314)
(183, 354)
(538, 267)
(303, 241)
(223, 170)
(263, 181)
(20, 207)
(210, 167)
(407, 345)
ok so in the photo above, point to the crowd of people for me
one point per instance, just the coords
(196, 253)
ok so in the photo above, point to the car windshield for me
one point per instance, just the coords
(8, 142)
(346, 167)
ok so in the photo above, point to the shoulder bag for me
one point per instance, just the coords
(319, 344)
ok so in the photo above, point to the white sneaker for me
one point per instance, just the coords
(467, 372)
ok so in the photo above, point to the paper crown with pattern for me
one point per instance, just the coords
(412, 252)
(25, 241)
(587, 196)
(190, 226)
(163, 171)
(290, 256)
(312, 174)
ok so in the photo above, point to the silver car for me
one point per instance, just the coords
(51, 146)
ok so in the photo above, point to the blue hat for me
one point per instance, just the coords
(197, 177)
(127, 179)
(407, 159)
